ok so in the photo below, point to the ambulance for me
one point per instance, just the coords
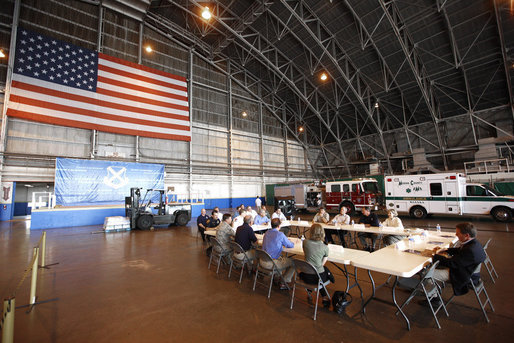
(447, 193)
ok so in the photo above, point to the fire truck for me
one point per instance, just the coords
(353, 194)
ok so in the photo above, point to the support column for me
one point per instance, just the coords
(10, 66)
(94, 133)
(190, 98)
(230, 138)
(261, 141)
(284, 130)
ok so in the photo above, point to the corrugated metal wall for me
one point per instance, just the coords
(224, 162)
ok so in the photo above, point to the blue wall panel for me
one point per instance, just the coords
(21, 209)
(41, 219)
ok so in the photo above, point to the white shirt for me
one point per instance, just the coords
(258, 202)
(342, 219)
(253, 214)
(279, 216)
(220, 216)
(395, 222)
(238, 221)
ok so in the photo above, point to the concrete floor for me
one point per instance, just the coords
(155, 287)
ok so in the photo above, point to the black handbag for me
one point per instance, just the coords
(340, 300)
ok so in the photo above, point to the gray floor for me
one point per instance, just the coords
(155, 287)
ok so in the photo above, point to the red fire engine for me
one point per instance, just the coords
(353, 194)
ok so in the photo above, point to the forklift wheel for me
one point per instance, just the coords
(181, 219)
(145, 222)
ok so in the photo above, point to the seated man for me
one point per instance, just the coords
(224, 232)
(250, 211)
(245, 236)
(239, 220)
(392, 221)
(368, 219)
(213, 220)
(261, 218)
(201, 222)
(341, 219)
(263, 207)
(321, 217)
(278, 214)
(462, 261)
(219, 214)
(272, 243)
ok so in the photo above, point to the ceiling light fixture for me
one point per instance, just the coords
(376, 104)
(2, 55)
(244, 114)
(206, 13)
(148, 48)
(300, 129)
(323, 77)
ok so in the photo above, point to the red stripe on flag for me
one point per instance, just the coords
(141, 77)
(94, 114)
(140, 99)
(141, 67)
(80, 98)
(73, 123)
(141, 88)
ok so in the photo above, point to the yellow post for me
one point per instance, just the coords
(8, 321)
(33, 281)
(43, 249)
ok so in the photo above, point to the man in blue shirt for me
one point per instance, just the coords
(202, 222)
(261, 218)
(272, 243)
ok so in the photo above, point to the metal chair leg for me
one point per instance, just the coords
(271, 283)
(316, 305)
(255, 280)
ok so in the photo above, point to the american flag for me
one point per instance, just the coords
(59, 83)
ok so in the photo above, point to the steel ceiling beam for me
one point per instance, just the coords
(205, 48)
(305, 16)
(409, 49)
(506, 62)
(259, 45)
(459, 65)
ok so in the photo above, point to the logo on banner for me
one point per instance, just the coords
(116, 178)
(7, 193)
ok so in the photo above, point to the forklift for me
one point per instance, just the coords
(153, 209)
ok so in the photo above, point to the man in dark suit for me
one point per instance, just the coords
(460, 261)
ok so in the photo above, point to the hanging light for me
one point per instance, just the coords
(148, 48)
(376, 104)
(323, 77)
(2, 55)
(206, 13)
(300, 129)
(244, 114)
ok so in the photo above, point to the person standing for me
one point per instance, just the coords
(202, 223)
(368, 219)
(258, 203)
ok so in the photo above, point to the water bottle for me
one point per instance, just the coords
(302, 238)
(299, 219)
(438, 228)
(411, 242)
(353, 222)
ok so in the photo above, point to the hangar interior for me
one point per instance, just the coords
(418, 85)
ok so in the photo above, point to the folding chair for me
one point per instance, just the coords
(428, 287)
(488, 264)
(262, 255)
(307, 268)
(217, 253)
(478, 289)
(239, 263)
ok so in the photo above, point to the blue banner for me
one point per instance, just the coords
(88, 182)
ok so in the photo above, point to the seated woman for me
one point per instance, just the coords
(316, 253)
(392, 221)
